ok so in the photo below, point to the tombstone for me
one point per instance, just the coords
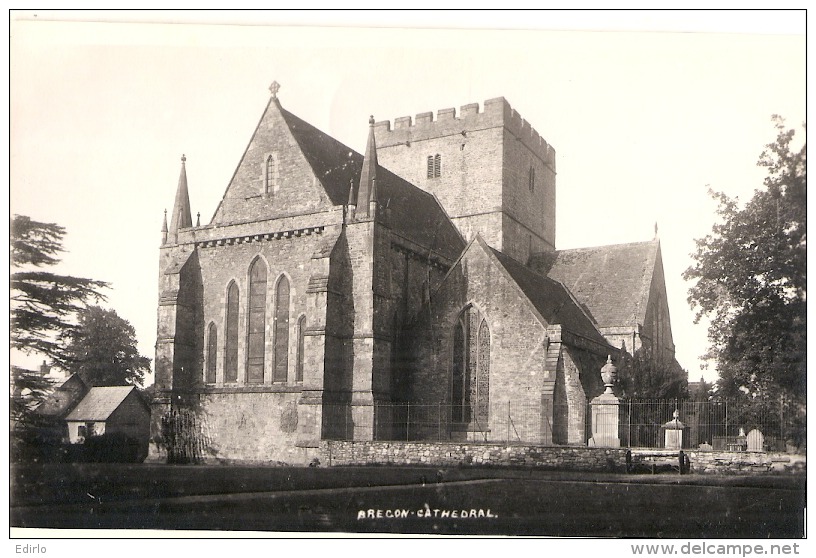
(755, 440)
(605, 411)
(674, 432)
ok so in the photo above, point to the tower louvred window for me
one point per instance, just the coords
(434, 166)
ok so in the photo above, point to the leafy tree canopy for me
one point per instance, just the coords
(43, 304)
(29, 389)
(102, 349)
(643, 376)
(750, 281)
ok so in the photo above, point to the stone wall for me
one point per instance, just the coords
(542, 457)
(336, 453)
(255, 426)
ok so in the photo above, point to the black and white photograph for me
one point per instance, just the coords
(435, 275)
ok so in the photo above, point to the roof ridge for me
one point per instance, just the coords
(617, 245)
(503, 259)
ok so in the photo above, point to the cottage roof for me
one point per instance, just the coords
(552, 300)
(611, 282)
(100, 403)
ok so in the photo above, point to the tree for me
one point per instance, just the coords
(643, 376)
(750, 281)
(102, 349)
(43, 303)
(29, 389)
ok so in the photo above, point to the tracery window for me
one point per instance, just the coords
(281, 330)
(470, 388)
(256, 324)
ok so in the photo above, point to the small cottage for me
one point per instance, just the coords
(111, 410)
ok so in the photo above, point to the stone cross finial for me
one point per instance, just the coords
(274, 88)
(183, 158)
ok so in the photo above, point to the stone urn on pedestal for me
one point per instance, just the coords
(605, 411)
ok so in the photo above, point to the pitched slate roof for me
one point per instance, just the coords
(333, 163)
(415, 214)
(552, 300)
(611, 282)
(100, 403)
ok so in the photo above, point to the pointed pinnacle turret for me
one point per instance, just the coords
(352, 198)
(164, 228)
(366, 192)
(181, 217)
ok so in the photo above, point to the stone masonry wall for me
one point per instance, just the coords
(292, 187)
(516, 340)
(542, 457)
(255, 427)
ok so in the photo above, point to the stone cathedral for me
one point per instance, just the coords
(331, 289)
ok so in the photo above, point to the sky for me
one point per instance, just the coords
(643, 117)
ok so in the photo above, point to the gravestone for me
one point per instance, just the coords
(755, 440)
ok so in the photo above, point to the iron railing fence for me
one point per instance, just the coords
(506, 422)
(720, 424)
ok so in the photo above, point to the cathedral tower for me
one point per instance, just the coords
(492, 172)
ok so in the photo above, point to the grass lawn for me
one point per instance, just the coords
(495, 501)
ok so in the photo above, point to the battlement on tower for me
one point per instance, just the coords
(497, 112)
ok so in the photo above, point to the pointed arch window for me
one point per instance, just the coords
(231, 347)
(281, 330)
(470, 388)
(256, 324)
(212, 352)
(301, 338)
